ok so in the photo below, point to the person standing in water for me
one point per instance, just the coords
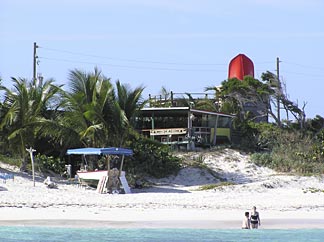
(255, 218)
(246, 221)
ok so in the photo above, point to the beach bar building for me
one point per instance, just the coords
(184, 127)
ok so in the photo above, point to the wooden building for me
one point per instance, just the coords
(184, 127)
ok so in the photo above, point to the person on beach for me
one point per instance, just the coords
(246, 221)
(255, 218)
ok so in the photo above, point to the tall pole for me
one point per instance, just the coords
(34, 61)
(31, 150)
(279, 93)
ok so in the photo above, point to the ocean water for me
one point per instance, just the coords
(40, 234)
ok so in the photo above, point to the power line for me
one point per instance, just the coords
(263, 62)
(157, 68)
(302, 65)
(154, 62)
(133, 60)
(127, 66)
(144, 61)
(304, 74)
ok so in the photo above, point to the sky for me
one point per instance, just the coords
(182, 45)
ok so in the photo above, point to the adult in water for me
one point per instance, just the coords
(255, 219)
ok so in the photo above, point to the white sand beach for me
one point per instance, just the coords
(284, 201)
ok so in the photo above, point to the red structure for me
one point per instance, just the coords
(240, 66)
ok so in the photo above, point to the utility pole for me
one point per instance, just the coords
(279, 93)
(35, 61)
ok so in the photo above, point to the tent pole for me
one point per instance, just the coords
(108, 164)
(121, 165)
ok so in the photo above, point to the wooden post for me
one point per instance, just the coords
(31, 150)
(34, 61)
(190, 132)
(215, 131)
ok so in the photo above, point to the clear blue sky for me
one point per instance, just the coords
(183, 45)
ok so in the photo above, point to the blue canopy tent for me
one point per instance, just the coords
(102, 151)
(84, 151)
(116, 151)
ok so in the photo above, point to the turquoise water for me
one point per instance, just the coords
(40, 234)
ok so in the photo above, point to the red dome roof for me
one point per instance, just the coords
(240, 66)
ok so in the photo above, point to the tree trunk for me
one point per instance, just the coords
(24, 163)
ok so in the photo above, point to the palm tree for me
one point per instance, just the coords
(130, 100)
(85, 104)
(25, 106)
(126, 106)
(93, 115)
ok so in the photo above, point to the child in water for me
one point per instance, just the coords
(246, 221)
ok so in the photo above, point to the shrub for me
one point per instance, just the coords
(49, 163)
(293, 152)
(152, 158)
(11, 160)
(214, 186)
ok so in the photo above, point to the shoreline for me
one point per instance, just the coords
(281, 224)
(154, 218)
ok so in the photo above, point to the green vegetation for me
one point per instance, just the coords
(285, 146)
(289, 150)
(312, 190)
(49, 163)
(10, 160)
(215, 186)
(98, 113)
(151, 157)
(93, 113)
(22, 112)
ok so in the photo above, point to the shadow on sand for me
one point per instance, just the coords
(3, 189)
(26, 175)
(160, 189)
